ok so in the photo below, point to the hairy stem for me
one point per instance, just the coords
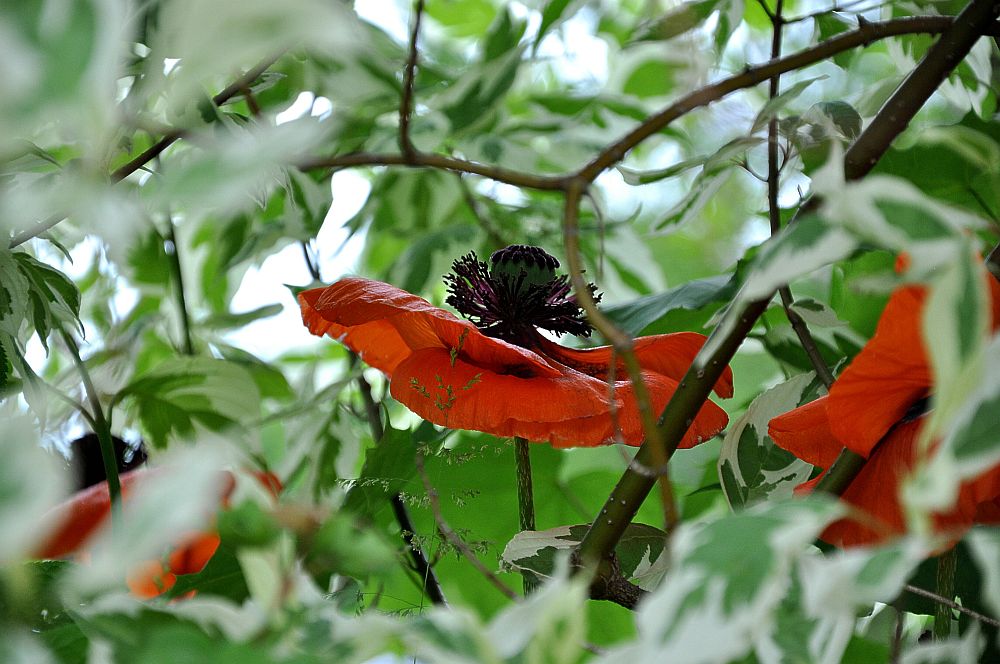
(173, 251)
(525, 500)
(945, 587)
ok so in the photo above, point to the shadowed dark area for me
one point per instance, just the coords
(88, 467)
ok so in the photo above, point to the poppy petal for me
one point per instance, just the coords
(384, 324)
(805, 432)
(79, 517)
(193, 553)
(667, 354)
(454, 393)
(149, 579)
(893, 366)
(875, 491)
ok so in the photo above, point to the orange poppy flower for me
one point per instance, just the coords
(501, 375)
(78, 518)
(876, 409)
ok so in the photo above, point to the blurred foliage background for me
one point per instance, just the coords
(159, 187)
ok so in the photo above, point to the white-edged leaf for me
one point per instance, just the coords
(836, 586)
(984, 544)
(726, 579)
(775, 104)
(751, 467)
(184, 393)
(539, 551)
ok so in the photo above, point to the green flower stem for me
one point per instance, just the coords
(945, 587)
(102, 427)
(178, 276)
(525, 499)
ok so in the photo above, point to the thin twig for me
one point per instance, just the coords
(774, 212)
(622, 345)
(406, 103)
(865, 34)
(311, 262)
(492, 232)
(153, 151)
(452, 537)
(975, 615)
(222, 97)
(443, 162)
(599, 542)
(896, 644)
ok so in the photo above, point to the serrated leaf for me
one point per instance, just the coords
(182, 393)
(752, 468)
(389, 467)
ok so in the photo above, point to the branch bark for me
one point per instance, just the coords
(598, 545)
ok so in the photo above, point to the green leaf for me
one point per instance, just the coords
(713, 163)
(182, 393)
(552, 15)
(635, 316)
(776, 104)
(228, 321)
(677, 21)
(538, 551)
(389, 466)
(752, 468)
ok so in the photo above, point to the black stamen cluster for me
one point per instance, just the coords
(506, 304)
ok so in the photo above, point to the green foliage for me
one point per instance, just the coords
(248, 106)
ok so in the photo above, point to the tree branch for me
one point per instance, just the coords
(406, 103)
(697, 383)
(153, 151)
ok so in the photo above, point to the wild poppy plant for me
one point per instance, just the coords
(74, 522)
(498, 373)
(876, 408)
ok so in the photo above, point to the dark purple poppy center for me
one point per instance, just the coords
(518, 293)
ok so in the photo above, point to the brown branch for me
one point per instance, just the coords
(222, 97)
(452, 537)
(696, 385)
(443, 162)
(406, 103)
(944, 601)
(153, 151)
(865, 34)
(622, 344)
(774, 212)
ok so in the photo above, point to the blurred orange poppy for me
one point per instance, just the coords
(77, 519)
(501, 375)
(876, 409)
